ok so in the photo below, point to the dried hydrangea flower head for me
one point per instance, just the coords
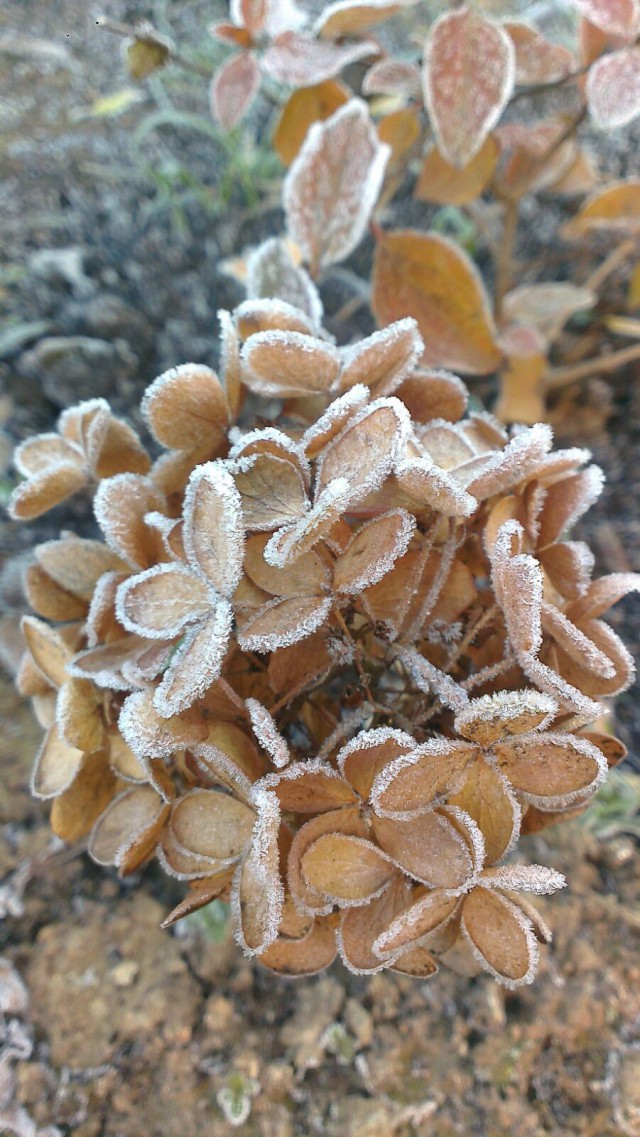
(333, 655)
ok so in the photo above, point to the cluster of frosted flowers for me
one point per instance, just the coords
(332, 654)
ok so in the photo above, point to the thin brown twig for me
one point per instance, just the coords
(557, 377)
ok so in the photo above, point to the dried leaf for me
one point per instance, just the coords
(373, 551)
(445, 184)
(288, 363)
(537, 59)
(332, 186)
(300, 61)
(469, 74)
(185, 408)
(213, 526)
(347, 870)
(272, 271)
(392, 77)
(616, 17)
(302, 109)
(501, 937)
(426, 276)
(383, 360)
(615, 209)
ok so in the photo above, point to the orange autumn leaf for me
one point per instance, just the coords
(427, 276)
(302, 109)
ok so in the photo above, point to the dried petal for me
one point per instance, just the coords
(185, 408)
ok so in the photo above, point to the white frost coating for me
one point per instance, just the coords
(408, 919)
(291, 541)
(567, 695)
(386, 337)
(519, 460)
(102, 600)
(435, 747)
(222, 550)
(261, 859)
(575, 643)
(165, 527)
(533, 950)
(299, 770)
(307, 365)
(221, 766)
(466, 89)
(271, 271)
(505, 707)
(376, 570)
(360, 486)
(267, 733)
(63, 452)
(170, 628)
(473, 835)
(567, 742)
(275, 309)
(271, 641)
(219, 625)
(613, 88)
(425, 480)
(249, 443)
(523, 878)
(72, 420)
(577, 495)
(333, 184)
(103, 665)
(145, 742)
(119, 504)
(369, 739)
(336, 414)
(433, 681)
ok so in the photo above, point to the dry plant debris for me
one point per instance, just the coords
(328, 669)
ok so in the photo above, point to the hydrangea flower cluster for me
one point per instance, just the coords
(332, 654)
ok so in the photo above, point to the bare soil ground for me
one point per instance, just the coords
(113, 239)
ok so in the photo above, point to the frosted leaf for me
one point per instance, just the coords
(331, 422)
(537, 59)
(384, 359)
(333, 184)
(269, 440)
(363, 757)
(613, 89)
(185, 408)
(307, 576)
(159, 602)
(602, 594)
(135, 818)
(469, 75)
(56, 765)
(575, 643)
(428, 483)
(289, 363)
(551, 770)
(347, 820)
(272, 491)
(431, 680)
(211, 824)
(490, 717)
(46, 489)
(361, 926)
(281, 623)
(427, 915)
(616, 17)
(418, 781)
(373, 551)
(103, 664)
(546, 307)
(569, 565)
(487, 798)
(213, 526)
(526, 878)
(392, 77)
(311, 786)
(233, 89)
(77, 563)
(271, 271)
(518, 461)
(518, 587)
(294, 541)
(347, 870)
(48, 650)
(428, 847)
(270, 314)
(500, 937)
(151, 736)
(433, 394)
(267, 733)
(196, 663)
(120, 505)
(300, 61)
(367, 450)
(351, 17)
(566, 501)
(35, 455)
(257, 896)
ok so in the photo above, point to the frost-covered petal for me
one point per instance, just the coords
(500, 936)
(347, 870)
(307, 576)
(127, 832)
(486, 796)
(272, 491)
(384, 359)
(491, 717)
(373, 551)
(368, 753)
(45, 489)
(57, 764)
(213, 526)
(426, 915)
(120, 505)
(257, 895)
(310, 787)
(367, 450)
(161, 601)
(185, 408)
(197, 662)
(415, 782)
(551, 768)
(281, 623)
(289, 363)
(429, 848)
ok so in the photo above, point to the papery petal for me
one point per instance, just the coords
(491, 717)
(373, 551)
(368, 753)
(281, 623)
(127, 832)
(428, 848)
(551, 768)
(419, 780)
(501, 937)
(213, 526)
(196, 663)
(161, 601)
(347, 870)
